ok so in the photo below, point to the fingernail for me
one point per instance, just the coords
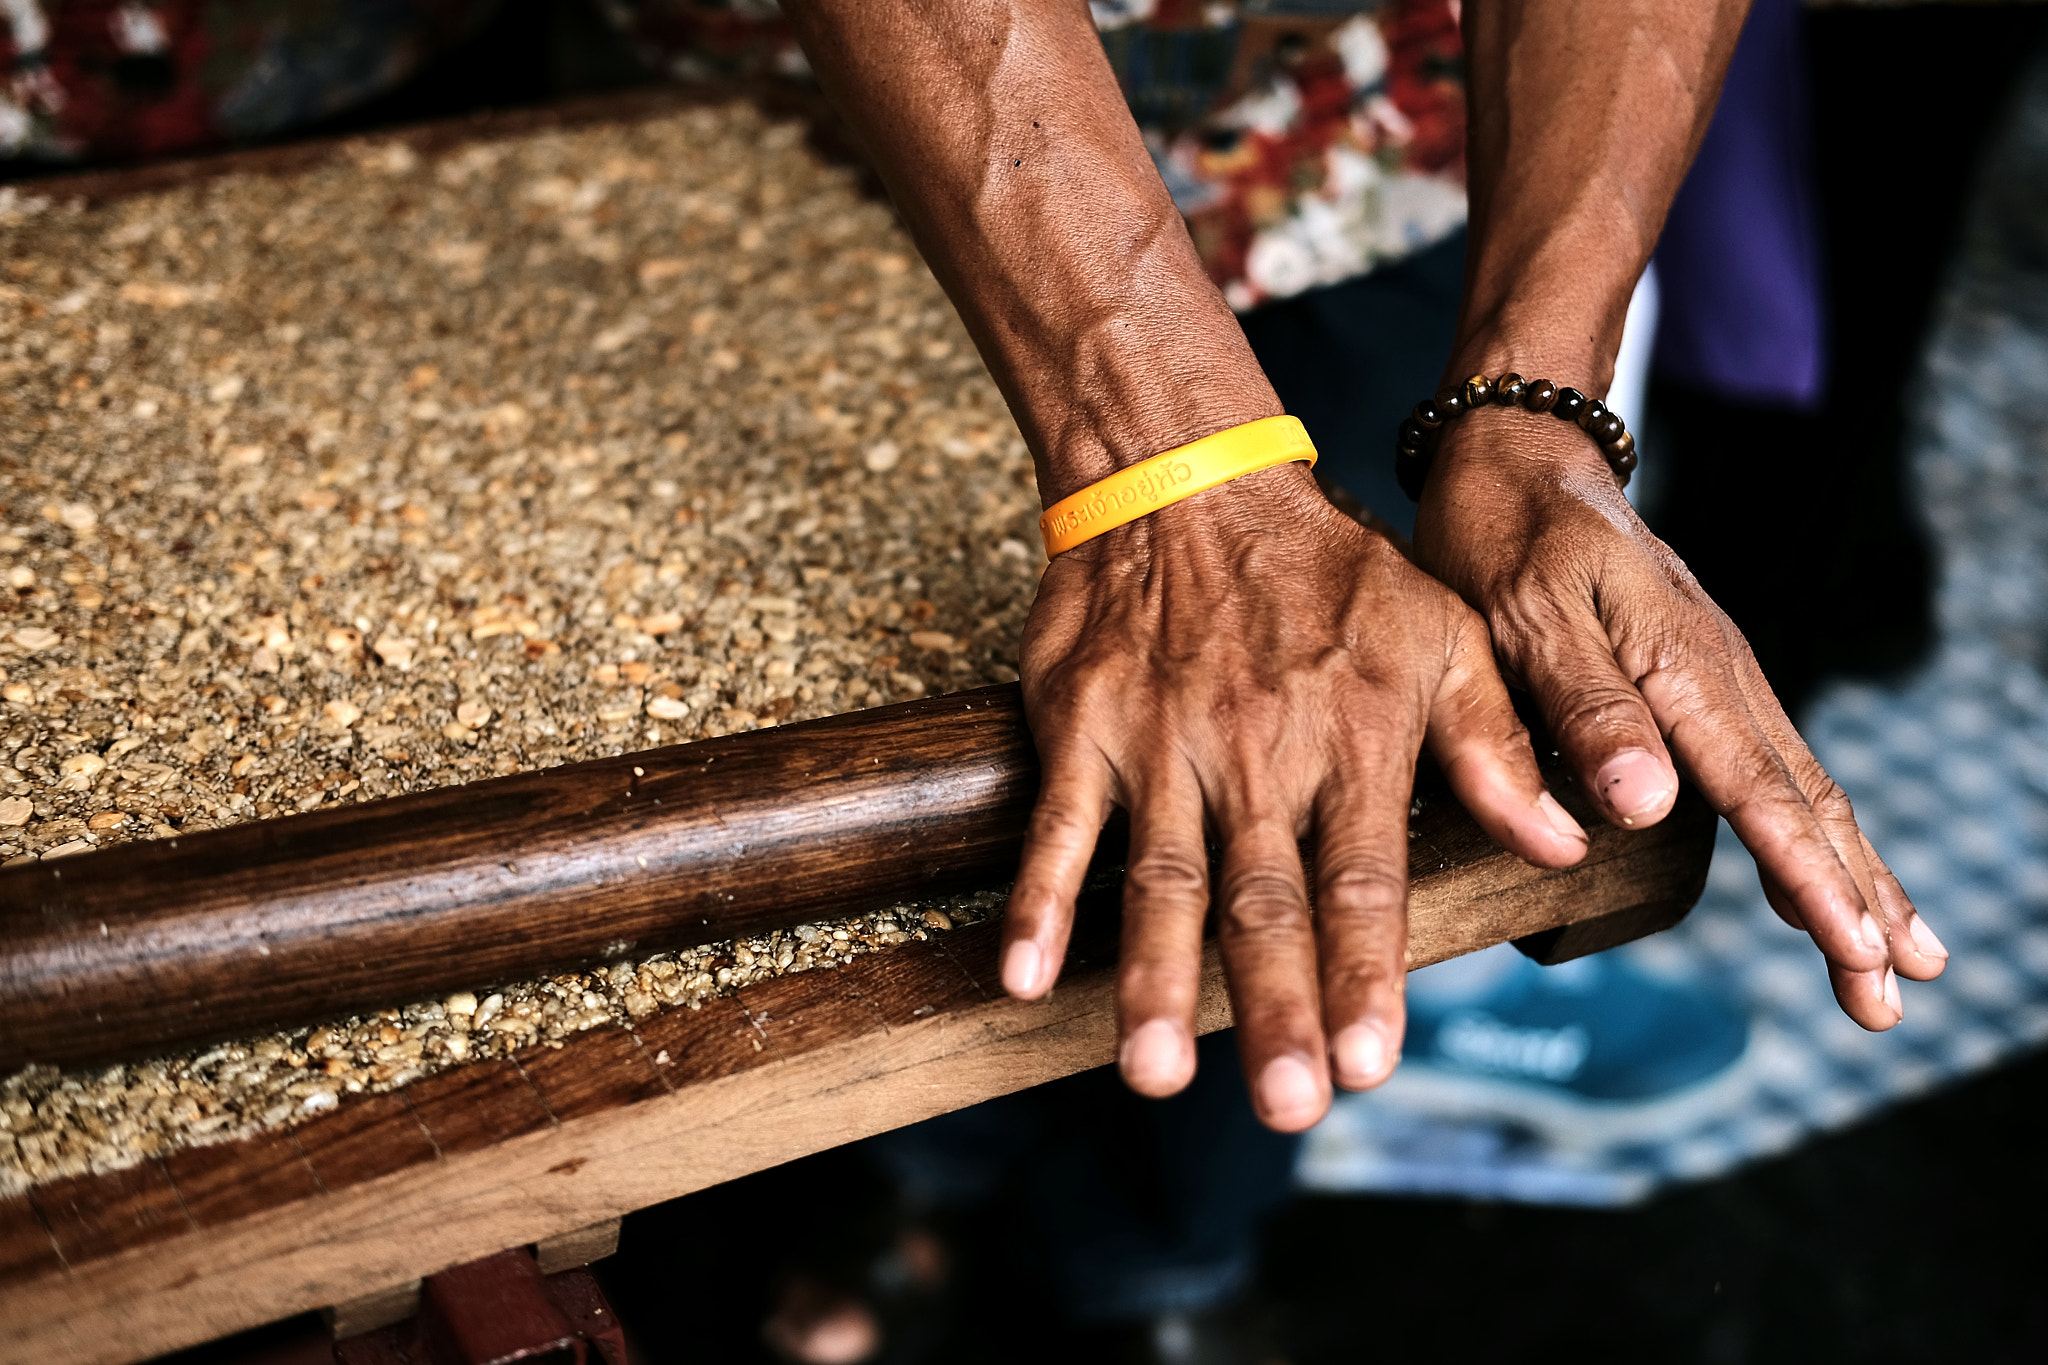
(1868, 935)
(1288, 1092)
(1023, 963)
(1561, 822)
(1924, 939)
(1634, 783)
(1361, 1055)
(1155, 1057)
(1891, 993)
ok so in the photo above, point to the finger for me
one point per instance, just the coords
(1915, 950)
(1870, 998)
(1600, 722)
(1868, 995)
(1269, 953)
(1762, 702)
(1483, 749)
(1744, 777)
(1073, 801)
(1781, 905)
(1894, 919)
(1361, 912)
(1166, 899)
(1929, 955)
(1797, 881)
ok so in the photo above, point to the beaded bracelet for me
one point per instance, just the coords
(1417, 442)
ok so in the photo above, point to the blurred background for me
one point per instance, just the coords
(1679, 1150)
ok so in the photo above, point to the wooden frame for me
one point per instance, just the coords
(311, 917)
(124, 1265)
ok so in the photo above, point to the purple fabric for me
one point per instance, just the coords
(1740, 261)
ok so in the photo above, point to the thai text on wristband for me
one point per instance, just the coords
(1166, 478)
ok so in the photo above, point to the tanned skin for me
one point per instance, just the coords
(1249, 666)
(1576, 149)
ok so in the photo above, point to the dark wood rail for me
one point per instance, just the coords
(151, 946)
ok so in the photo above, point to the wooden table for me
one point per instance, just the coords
(387, 1188)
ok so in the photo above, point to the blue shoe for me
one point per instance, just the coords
(1592, 1053)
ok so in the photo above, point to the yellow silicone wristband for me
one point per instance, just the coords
(1166, 478)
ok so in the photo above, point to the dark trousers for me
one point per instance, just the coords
(1130, 1207)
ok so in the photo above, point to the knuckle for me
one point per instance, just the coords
(1382, 972)
(1467, 643)
(1518, 626)
(1371, 710)
(1812, 779)
(1079, 690)
(1762, 777)
(1078, 702)
(1285, 1020)
(1763, 792)
(1062, 816)
(1465, 624)
(1167, 874)
(1262, 904)
(1528, 625)
(1698, 639)
(1595, 709)
(1829, 801)
(1361, 893)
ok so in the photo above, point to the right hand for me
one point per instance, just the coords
(1252, 665)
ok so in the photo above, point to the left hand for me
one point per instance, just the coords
(1633, 665)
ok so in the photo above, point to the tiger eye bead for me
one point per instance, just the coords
(1420, 433)
(1607, 428)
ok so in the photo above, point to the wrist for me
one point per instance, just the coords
(1512, 447)
(1566, 350)
(1173, 476)
(1446, 418)
(1262, 506)
(1554, 306)
(1086, 443)
(1141, 378)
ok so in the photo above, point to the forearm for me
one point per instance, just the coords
(1000, 132)
(1584, 117)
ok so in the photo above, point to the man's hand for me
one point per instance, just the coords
(1248, 663)
(1255, 663)
(1574, 161)
(1632, 663)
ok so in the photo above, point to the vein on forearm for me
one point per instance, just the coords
(1585, 116)
(1006, 144)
